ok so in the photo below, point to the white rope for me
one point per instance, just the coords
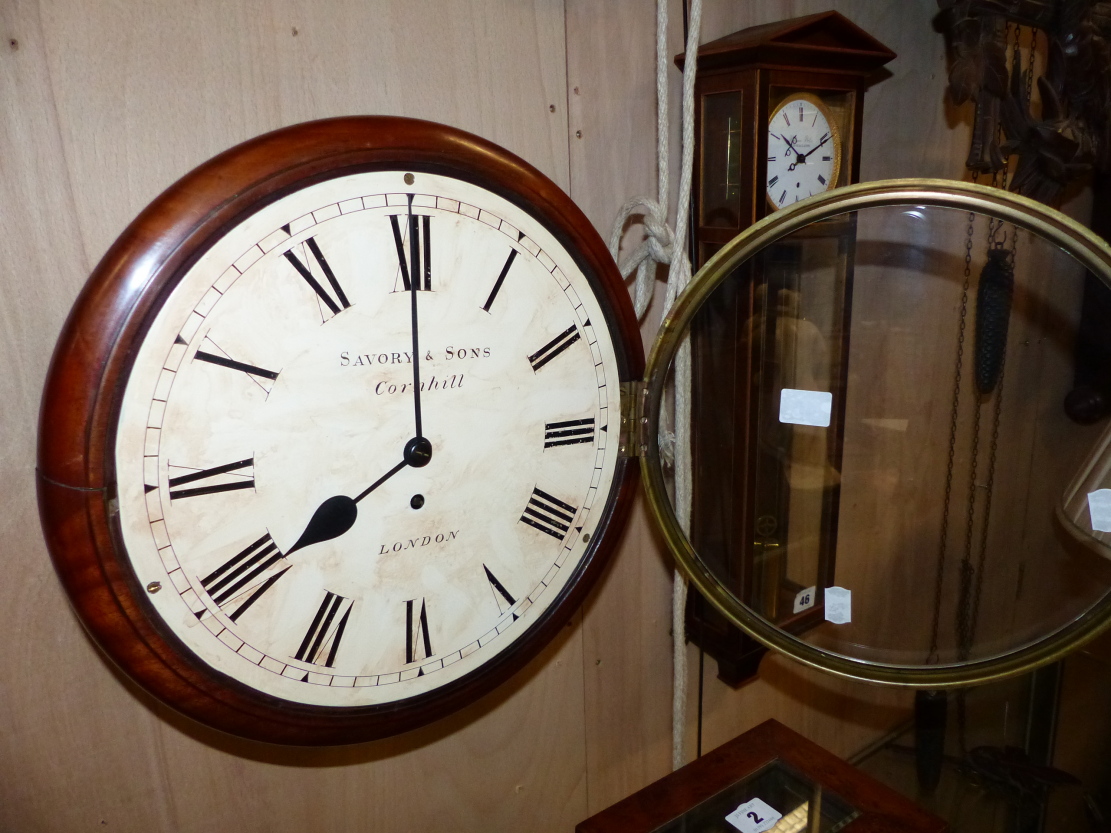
(662, 245)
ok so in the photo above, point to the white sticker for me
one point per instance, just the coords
(754, 816)
(1099, 506)
(804, 599)
(805, 407)
(839, 605)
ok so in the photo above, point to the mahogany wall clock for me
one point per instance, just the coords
(330, 441)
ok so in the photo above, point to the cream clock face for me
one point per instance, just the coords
(367, 439)
(804, 151)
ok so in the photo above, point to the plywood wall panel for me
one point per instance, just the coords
(43, 267)
(147, 91)
(611, 58)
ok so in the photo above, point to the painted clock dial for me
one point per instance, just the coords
(804, 150)
(363, 447)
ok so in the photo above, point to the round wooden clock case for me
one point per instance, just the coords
(329, 446)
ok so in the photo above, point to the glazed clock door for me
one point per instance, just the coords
(367, 444)
(862, 501)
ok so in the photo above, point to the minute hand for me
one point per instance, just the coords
(414, 278)
(802, 156)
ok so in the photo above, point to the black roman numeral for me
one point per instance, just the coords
(821, 179)
(548, 514)
(502, 597)
(501, 277)
(322, 639)
(416, 632)
(554, 347)
(773, 181)
(417, 263)
(223, 361)
(786, 119)
(571, 432)
(827, 158)
(242, 574)
(243, 481)
(337, 304)
(800, 113)
(210, 352)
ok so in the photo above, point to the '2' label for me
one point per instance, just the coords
(754, 816)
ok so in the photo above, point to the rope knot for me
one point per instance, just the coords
(660, 237)
(658, 245)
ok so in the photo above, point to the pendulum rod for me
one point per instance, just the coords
(933, 656)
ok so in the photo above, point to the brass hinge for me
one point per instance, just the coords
(632, 435)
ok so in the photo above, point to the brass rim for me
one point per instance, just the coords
(1087, 248)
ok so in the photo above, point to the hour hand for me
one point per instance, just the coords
(784, 138)
(337, 514)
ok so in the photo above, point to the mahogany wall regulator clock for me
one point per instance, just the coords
(779, 109)
(330, 442)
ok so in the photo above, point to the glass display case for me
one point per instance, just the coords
(768, 779)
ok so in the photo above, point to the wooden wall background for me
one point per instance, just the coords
(106, 103)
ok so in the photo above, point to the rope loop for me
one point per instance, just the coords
(661, 244)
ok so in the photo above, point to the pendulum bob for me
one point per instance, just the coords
(993, 313)
(930, 711)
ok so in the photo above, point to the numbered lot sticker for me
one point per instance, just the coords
(754, 816)
(804, 599)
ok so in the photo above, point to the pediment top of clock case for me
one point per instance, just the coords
(814, 40)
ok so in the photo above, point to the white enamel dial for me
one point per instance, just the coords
(299, 522)
(804, 150)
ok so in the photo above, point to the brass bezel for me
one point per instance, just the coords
(1086, 247)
